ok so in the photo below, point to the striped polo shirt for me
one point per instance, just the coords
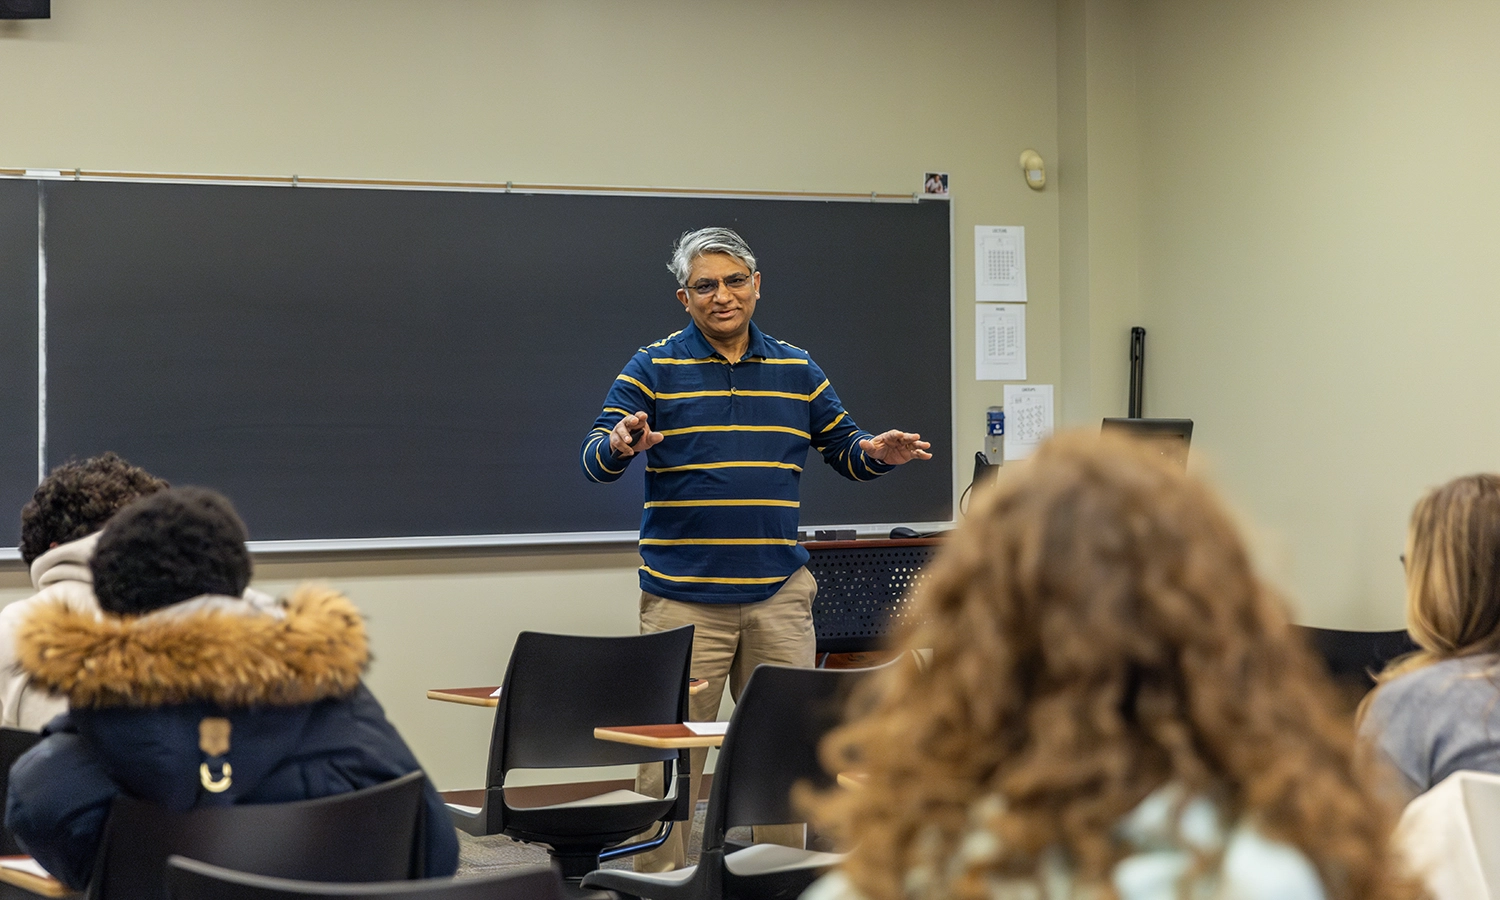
(720, 521)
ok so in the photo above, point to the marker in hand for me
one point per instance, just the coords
(633, 435)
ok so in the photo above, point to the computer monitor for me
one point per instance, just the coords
(1170, 437)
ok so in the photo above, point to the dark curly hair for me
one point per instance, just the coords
(169, 547)
(77, 498)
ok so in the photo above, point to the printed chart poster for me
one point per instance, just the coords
(1028, 418)
(1000, 341)
(999, 264)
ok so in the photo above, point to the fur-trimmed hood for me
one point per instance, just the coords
(224, 650)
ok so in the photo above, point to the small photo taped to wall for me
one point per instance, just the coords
(935, 184)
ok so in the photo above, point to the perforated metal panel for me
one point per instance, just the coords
(864, 591)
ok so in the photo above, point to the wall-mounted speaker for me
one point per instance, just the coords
(25, 9)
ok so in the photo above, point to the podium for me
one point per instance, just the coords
(864, 590)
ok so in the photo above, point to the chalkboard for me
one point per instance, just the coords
(356, 363)
(18, 352)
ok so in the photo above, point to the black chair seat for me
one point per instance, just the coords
(760, 871)
(189, 879)
(612, 817)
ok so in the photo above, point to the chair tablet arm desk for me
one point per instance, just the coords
(659, 736)
(486, 696)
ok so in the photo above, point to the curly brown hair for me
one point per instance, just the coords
(77, 498)
(1097, 632)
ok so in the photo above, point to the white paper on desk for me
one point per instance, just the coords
(1000, 263)
(707, 727)
(1028, 418)
(1000, 342)
(26, 864)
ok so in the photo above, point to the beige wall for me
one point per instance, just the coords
(1317, 267)
(819, 96)
(1097, 176)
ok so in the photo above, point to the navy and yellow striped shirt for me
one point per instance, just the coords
(720, 522)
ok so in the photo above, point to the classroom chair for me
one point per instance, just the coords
(1353, 657)
(188, 879)
(13, 742)
(772, 745)
(1451, 837)
(375, 834)
(1356, 655)
(557, 690)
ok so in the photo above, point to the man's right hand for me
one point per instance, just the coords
(619, 439)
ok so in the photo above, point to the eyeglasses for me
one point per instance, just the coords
(707, 287)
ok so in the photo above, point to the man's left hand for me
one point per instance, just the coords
(896, 447)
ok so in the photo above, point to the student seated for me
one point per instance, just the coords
(59, 527)
(1437, 710)
(183, 693)
(1115, 706)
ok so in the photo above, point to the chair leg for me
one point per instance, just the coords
(572, 890)
(662, 833)
(573, 863)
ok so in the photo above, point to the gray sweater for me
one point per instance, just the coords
(1439, 720)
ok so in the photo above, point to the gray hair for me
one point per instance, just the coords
(694, 244)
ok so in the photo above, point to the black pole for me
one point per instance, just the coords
(1137, 370)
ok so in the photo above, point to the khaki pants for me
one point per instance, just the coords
(729, 641)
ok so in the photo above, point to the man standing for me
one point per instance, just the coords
(728, 414)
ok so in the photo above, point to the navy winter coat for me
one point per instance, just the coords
(285, 677)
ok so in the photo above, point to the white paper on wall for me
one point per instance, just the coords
(1000, 342)
(1028, 418)
(1000, 263)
